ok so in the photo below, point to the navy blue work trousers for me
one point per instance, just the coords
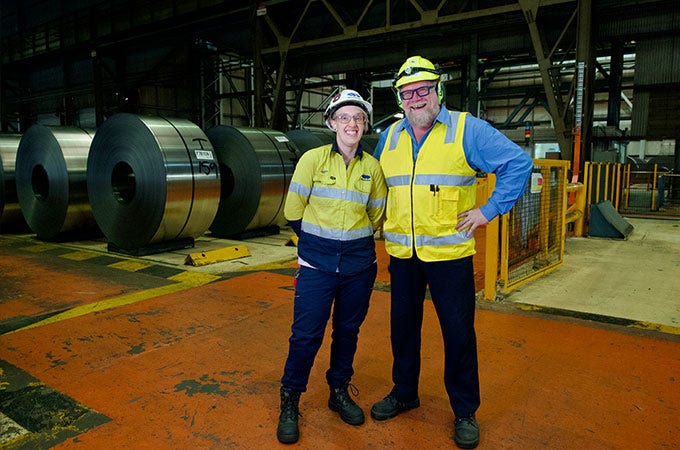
(316, 294)
(452, 288)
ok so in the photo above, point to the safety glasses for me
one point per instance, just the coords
(346, 118)
(423, 91)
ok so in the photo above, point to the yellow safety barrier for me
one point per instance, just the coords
(528, 242)
(532, 234)
(215, 256)
(576, 210)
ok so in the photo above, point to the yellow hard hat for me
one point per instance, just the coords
(416, 68)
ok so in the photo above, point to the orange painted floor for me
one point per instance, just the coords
(198, 367)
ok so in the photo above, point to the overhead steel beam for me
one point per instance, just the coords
(428, 17)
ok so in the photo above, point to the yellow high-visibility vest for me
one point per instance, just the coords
(425, 198)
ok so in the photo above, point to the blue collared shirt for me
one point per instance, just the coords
(487, 150)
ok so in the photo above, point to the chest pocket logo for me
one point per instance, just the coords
(363, 184)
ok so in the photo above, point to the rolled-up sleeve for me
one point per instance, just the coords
(489, 150)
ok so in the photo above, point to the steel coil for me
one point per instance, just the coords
(306, 139)
(11, 218)
(152, 180)
(51, 181)
(256, 166)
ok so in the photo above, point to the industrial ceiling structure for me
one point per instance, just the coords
(60, 59)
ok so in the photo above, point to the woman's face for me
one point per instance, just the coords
(349, 123)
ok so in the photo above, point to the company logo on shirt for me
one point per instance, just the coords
(365, 177)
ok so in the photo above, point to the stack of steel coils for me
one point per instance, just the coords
(51, 180)
(256, 166)
(10, 212)
(152, 180)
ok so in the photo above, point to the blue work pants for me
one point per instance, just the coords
(316, 294)
(452, 288)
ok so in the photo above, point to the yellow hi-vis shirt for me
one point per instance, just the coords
(426, 197)
(340, 206)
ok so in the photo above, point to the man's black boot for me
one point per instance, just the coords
(287, 431)
(390, 407)
(342, 403)
(466, 432)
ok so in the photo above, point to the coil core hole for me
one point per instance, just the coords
(40, 182)
(228, 181)
(123, 182)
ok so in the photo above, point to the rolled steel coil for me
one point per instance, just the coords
(51, 181)
(306, 139)
(152, 180)
(256, 166)
(11, 218)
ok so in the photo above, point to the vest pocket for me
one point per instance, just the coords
(446, 205)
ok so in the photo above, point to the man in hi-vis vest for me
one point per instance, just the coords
(430, 160)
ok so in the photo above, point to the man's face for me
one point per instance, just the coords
(420, 111)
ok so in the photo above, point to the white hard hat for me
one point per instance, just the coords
(344, 98)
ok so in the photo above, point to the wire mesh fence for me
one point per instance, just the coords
(652, 194)
(533, 231)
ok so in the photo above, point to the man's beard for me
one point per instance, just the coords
(422, 118)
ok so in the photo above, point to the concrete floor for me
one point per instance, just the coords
(635, 282)
(98, 350)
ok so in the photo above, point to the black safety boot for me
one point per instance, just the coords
(390, 407)
(342, 403)
(287, 431)
(466, 432)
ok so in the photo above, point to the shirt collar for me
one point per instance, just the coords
(359, 152)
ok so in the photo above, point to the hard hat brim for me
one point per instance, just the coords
(420, 76)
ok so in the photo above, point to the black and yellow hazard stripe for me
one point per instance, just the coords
(33, 415)
(168, 280)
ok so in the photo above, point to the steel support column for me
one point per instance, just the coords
(550, 77)
(584, 57)
(615, 79)
(472, 84)
(259, 119)
(97, 88)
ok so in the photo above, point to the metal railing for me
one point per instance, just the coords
(641, 193)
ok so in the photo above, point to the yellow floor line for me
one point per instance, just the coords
(642, 325)
(80, 255)
(668, 329)
(37, 248)
(285, 264)
(130, 265)
(185, 280)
